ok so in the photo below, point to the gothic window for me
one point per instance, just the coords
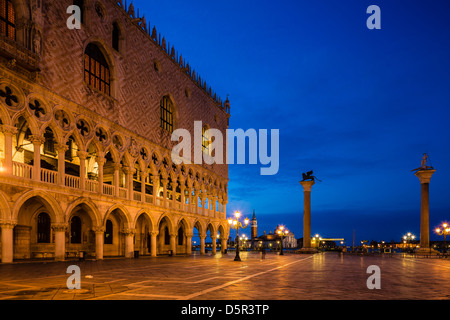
(166, 236)
(43, 228)
(75, 230)
(96, 69)
(116, 37)
(180, 236)
(7, 19)
(49, 144)
(109, 232)
(167, 114)
(70, 149)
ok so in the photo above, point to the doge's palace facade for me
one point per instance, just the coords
(86, 119)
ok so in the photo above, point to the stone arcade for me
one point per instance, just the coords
(86, 118)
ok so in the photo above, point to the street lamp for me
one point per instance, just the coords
(408, 238)
(443, 232)
(282, 232)
(244, 241)
(315, 241)
(236, 224)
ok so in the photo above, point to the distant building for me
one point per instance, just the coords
(270, 240)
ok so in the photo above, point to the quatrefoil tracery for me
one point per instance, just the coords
(101, 135)
(83, 128)
(9, 96)
(38, 111)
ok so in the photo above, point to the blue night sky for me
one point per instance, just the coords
(357, 106)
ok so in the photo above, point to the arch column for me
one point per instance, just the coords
(214, 242)
(202, 244)
(8, 132)
(153, 245)
(174, 194)
(203, 200)
(224, 244)
(155, 187)
(61, 148)
(224, 208)
(129, 243)
(144, 176)
(183, 197)
(164, 198)
(59, 230)
(129, 181)
(37, 142)
(189, 243)
(82, 155)
(214, 200)
(188, 206)
(101, 162)
(117, 167)
(7, 241)
(99, 242)
(194, 202)
(173, 243)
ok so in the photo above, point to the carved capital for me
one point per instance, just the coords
(61, 147)
(101, 160)
(59, 227)
(154, 234)
(82, 155)
(129, 232)
(37, 140)
(7, 224)
(129, 170)
(8, 130)
(99, 229)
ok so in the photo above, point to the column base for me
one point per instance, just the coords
(307, 250)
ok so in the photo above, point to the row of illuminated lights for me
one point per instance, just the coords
(236, 224)
(444, 230)
(318, 238)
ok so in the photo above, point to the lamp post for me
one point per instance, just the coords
(236, 224)
(443, 232)
(282, 232)
(244, 241)
(315, 242)
(408, 238)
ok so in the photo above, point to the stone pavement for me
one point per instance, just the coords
(288, 277)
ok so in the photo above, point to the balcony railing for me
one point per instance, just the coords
(49, 176)
(137, 196)
(123, 193)
(148, 198)
(108, 189)
(72, 181)
(25, 171)
(22, 170)
(92, 185)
